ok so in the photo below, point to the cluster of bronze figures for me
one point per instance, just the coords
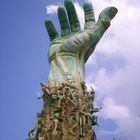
(67, 114)
(68, 111)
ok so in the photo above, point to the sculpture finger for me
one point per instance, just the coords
(89, 15)
(73, 19)
(104, 20)
(51, 29)
(65, 30)
(106, 16)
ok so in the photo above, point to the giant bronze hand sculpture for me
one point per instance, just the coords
(69, 52)
(68, 111)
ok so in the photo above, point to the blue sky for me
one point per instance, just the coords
(113, 70)
(23, 65)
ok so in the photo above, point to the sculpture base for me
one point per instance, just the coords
(66, 115)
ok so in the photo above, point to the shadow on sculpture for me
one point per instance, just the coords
(68, 111)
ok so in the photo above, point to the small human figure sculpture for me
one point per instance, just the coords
(39, 123)
(92, 93)
(40, 137)
(61, 97)
(54, 96)
(72, 123)
(46, 93)
(83, 116)
(95, 110)
(57, 118)
(45, 88)
(95, 120)
(84, 88)
(31, 135)
(55, 126)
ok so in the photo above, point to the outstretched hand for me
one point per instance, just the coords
(70, 26)
(73, 41)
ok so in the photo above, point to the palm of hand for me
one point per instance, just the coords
(74, 41)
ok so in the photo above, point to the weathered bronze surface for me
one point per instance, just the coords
(68, 112)
(69, 52)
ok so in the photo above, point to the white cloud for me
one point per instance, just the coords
(114, 111)
(128, 122)
(108, 132)
(52, 9)
(118, 88)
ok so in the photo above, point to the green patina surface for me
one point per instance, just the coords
(70, 51)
